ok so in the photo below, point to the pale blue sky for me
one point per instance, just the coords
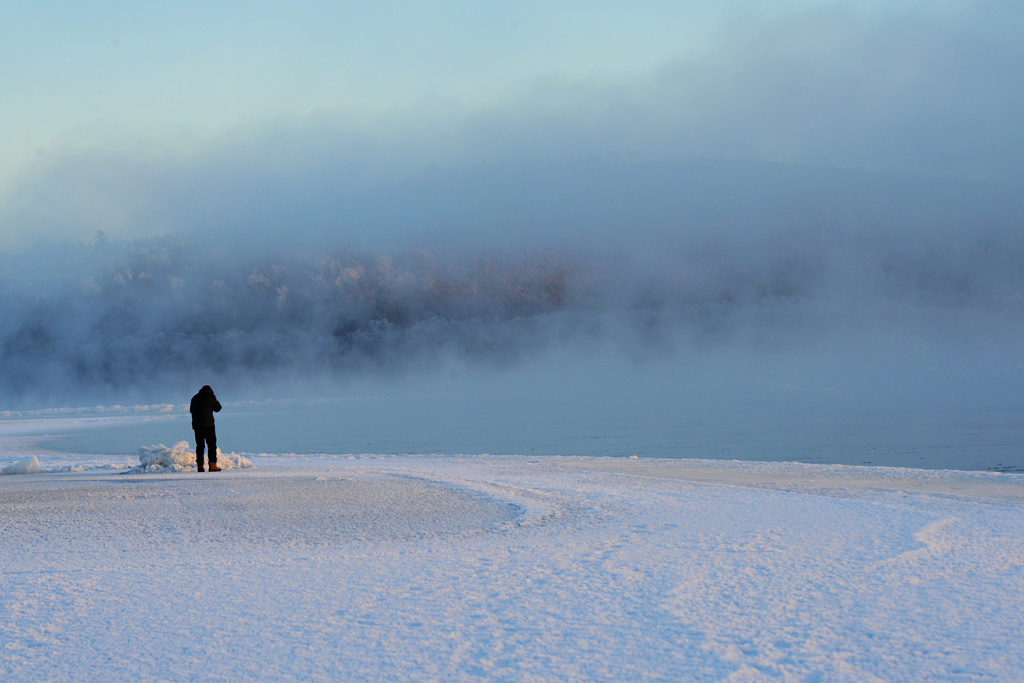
(386, 88)
(156, 69)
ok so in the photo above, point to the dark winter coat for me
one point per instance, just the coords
(203, 406)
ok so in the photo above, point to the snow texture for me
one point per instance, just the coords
(507, 568)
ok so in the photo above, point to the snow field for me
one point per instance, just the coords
(504, 568)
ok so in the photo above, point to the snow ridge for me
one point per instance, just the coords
(181, 458)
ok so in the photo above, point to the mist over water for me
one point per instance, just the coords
(697, 228)
(646, 295)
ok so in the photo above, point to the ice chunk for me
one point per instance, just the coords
(232, 461)
(160, 457)
(180, 458)
(26, 466)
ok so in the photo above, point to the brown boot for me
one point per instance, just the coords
(213, 467)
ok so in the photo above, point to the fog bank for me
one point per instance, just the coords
(488, 267)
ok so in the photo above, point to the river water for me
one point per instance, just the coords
(892, 404)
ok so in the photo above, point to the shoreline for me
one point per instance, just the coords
(21, 439)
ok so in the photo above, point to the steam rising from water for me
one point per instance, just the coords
(115, 316)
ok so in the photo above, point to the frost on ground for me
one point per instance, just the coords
(181, 458)
(505, 568)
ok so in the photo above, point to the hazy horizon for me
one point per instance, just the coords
(800, 261)
(334, 192)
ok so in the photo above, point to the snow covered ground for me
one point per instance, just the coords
(508, 569)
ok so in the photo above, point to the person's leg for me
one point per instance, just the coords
(199, 449)
(211, 443)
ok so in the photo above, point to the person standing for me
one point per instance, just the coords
(203, 406)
